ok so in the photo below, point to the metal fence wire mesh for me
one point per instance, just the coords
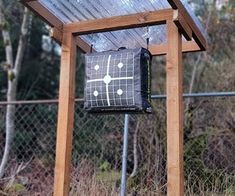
(209, 150)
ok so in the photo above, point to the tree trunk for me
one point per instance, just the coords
(13, 70)
(135, 153)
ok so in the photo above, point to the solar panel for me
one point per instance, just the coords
(118, 81)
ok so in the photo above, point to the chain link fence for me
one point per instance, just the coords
(209, 150)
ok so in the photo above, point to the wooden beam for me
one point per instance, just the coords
(161, 49)
(43, 13)
(197, 34)
(190, 46)
(182, 25)
(120, 22)
(174, 86)
(156, 50)
(57, 36)
(83, 45)
(65, 116)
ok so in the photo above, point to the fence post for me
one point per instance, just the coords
(124, 155)
(65, 116)
(174, 75)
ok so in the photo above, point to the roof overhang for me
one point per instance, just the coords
(194, 38)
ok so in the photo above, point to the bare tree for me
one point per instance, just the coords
(198, 68)
(13, 67)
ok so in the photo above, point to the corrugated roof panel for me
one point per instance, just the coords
(194, 17)
(126, 38)
(69, 11)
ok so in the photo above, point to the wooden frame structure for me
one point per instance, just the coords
(178, 23)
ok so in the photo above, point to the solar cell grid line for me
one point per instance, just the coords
(96, 67)
(96, 92)
(110, 84)
(120, 80)
(123, 87)
(95, 60)
(122, 62)
(114, 71)
(133, 82)
(102, 85)
(132, 59)
(100, 64)
(126, 79)
(119, 75)
(91, 75)
(89, 64)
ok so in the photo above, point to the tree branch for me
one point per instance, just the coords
(6, 37)
(22, 44)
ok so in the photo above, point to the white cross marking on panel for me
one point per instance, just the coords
(108, 79)
(119, 91)
(107, 82)
(120, 65)
(97, 67)
(96, 93)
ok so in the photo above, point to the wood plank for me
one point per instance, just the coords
(174, 71)
(56, 34)
(120, 22)
(197, 34)
(156, 50)
(190, 46)
(161, 49)
(81, 44)
(43, 13)
(65, 116)
(182, 25)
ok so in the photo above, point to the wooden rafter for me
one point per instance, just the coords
(182, 25)
(43, 13)
(197, 34)
(57, 35)
(161, 49)
(54, 22)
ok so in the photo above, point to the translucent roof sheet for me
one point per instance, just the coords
(69, 11)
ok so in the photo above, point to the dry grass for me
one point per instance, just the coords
(87, 180)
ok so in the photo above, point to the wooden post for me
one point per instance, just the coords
(65, 116)
(174, 71)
